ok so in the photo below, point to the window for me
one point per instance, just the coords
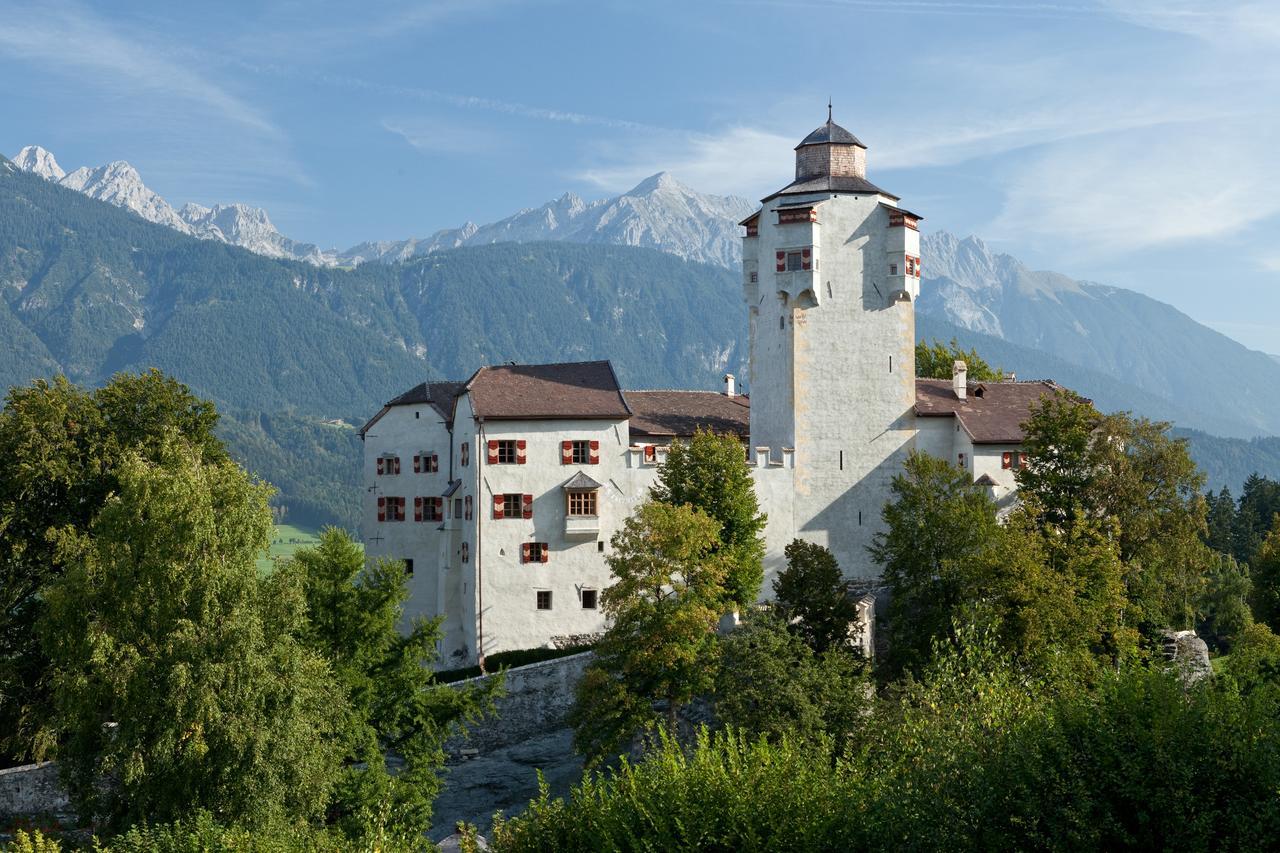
(793, 261)
(428, 509)
(580, 452)
(650, 454)
(457, 507)
(390, 509)
(893, 269)
(755, 277)
(582, 503)
(962, 459)
(467, 503)
(408, 567)
(544, 599)
(1023, 460)
(388, 465)
(911, 265)
(512, 505)
(426, 463)
(466, 552)
(507, 451)
(589, 599)
(465, 455)
(1006, 460)
(534, 552)
(600, 546)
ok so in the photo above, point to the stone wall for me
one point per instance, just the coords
(32, 789)
(538, 698)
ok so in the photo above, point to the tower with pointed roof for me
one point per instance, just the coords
(831, 271)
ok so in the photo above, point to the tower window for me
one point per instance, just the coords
(544, 599)
(590, 599)
(893, 269)
(793, 261)
(408, 567)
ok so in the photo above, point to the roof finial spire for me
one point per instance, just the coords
(828, 109)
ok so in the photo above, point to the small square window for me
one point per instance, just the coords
(794, 263)
(506, 451)
(536, 551)
(589, 599)
(582, 453)
(544, 599)
(893, 269)
(512, 505)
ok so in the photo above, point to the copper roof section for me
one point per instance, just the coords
(679, 414)
(992, 413)
(585, 390)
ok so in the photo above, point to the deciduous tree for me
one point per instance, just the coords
(710, 472)
(176, 673)
(812, 594)
(660, 649)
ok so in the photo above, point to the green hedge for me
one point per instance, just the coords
(511, 659)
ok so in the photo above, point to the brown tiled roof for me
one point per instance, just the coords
(584, 389)
(679, 414)
(992, 413)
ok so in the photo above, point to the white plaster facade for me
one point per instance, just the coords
(831, 272)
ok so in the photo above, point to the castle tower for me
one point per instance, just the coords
(831, 271)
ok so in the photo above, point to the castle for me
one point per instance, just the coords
(501, 493)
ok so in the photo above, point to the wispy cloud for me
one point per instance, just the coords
(65, 36)
(435, 136)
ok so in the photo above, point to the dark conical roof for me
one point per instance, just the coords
(830, 133)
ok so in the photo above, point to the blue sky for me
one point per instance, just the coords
(1129, 143)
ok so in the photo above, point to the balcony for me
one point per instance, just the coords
(581, 526)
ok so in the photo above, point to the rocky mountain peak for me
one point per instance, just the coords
(657, 183)
(40, 162)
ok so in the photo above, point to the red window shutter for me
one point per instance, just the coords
(493, 451)
(1006, 460)
(467, 503)
(417, 463)
(497, 506)
(395, 464)
(524, 552)
(782, 261)
(417, 509)
(545, 552)
(566, 453)
(439, 509)
(435, 462)
(382, 463)
(806, 259)
(528, 506)
(919, 268)
(382, 507)
(595, 452)
(650, 453)
(521, 446)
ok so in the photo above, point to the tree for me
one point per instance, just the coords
(394, 704)
(1259, 504)
(936, 361)
(937, 523)
(1224, 611)
(772, 684)
(812, 594)
(711, 474)
(1059, 439)
(660, 649)
(175, 669)
(1265, 571)
(60, 450)
(1221, 521)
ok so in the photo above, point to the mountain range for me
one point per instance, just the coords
(289, 347)
(659, 213)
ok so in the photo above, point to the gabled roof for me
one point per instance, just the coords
(439, 395)
(991, 413)
(580, 482)
(585, 390)
(679, 414)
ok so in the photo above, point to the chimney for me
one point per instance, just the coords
(959, 379)
(729, 385)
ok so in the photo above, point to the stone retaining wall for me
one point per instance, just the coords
(32, 789)
(538, 697)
